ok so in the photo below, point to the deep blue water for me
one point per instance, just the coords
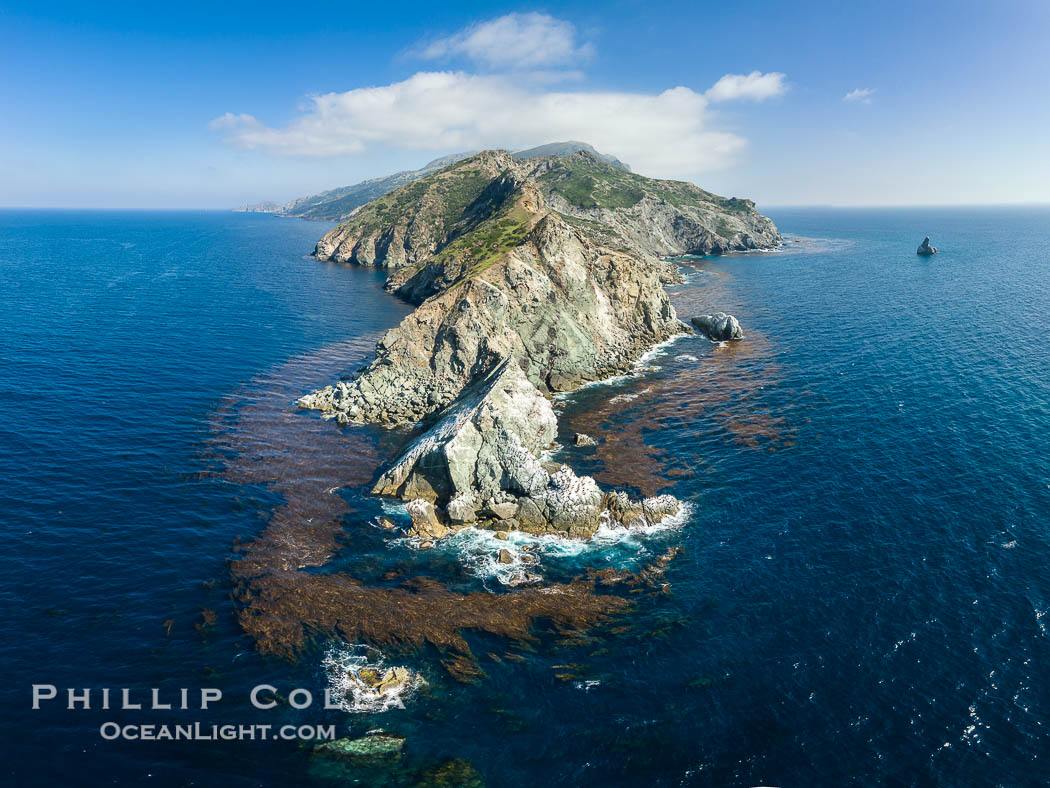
(863, 596)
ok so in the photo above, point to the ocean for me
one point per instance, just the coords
(861, 595)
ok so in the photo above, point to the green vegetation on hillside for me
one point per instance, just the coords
(449, 191)
(337, 204)
(488, 242)
(587, 182)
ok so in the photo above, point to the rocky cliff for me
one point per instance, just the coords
(649, 216)
(480, 463)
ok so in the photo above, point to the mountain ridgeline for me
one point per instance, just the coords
(532, 276)
(436, 220)
(337, 205)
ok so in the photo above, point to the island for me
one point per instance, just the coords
(532, 276)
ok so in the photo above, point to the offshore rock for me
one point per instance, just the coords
(640, 514)
(581, 439)
(719, 327)
(391, 680)
(925, 248)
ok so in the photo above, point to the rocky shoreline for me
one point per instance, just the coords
(532, 277)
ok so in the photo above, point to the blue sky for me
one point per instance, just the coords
(213, 105)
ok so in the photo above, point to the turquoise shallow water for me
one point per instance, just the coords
(863, 592)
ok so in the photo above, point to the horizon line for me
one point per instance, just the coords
(238, 209)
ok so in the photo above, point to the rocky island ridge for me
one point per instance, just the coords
(532, 276)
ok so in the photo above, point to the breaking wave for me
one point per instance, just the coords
(359, 680)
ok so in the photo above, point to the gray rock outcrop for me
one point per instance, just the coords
(426, 524)
(569, 312)
(479, 465)
(719, 327)
(375, 747)
(925, 248)
(483, 446)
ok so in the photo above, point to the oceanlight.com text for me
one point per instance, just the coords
(209, 732)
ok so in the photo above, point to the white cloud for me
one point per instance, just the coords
(755, 86)
(230, 121)
(522, 101)
(514, 41)
(663, 134)
(862, 95)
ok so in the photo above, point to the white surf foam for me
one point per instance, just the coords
(478, 549)
(642, 366)
(342, 665)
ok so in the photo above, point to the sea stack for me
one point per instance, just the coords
(925, 248)
(719, 326)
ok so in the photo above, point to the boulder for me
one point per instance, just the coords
(630, 513)
(504, 556)
(505, 510)
(925, 248)
(463, 508)
(581, 439)
(660, 506)
(572, 503)
(425, 521)
(719, 326)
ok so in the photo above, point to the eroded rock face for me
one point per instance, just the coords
(925, 248)
(661, 228)
(567, 311)
(483, 446)
(479, 464)
(719, 326)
